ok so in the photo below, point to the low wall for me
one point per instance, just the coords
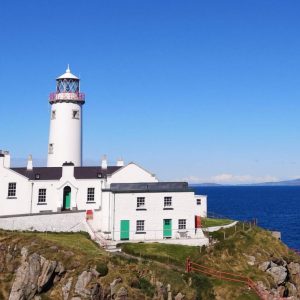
(67, 222)
(216, 228)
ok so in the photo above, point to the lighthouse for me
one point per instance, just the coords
(65, 135)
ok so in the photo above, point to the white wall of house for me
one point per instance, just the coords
(124, 207)
(131, 173)
(202, 207)
(19, 203)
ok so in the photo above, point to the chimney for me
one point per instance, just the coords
(104, 162)
(29, 163)
(120, 162)
(4, 159)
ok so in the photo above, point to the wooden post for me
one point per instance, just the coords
(188, 265)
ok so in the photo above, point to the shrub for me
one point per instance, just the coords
(101, 268)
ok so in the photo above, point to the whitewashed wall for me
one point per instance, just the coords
(20, 203)
(130, 174)
(63, 222)
(124, 207)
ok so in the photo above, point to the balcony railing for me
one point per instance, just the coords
(56, 97)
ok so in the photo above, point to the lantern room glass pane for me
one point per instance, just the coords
(67, 86)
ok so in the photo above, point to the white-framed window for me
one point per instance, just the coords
(182, 224)
(12, 189)
(140, 202)
(75, 114)
(167, 201)
(50, 150)
(140, 225)
(53, 114)
(198, 201)
(42, 196)
(90, 194)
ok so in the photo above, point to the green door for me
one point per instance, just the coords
(67, 198)
(124, 232)
(167, 228)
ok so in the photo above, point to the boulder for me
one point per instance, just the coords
(113, 286)
(179, 296)
(66, 289)
(264, 266)
(278, 273)
(96, 292)
(122, 294)
(83, 280)
(45, 280)
(25, 284)
(291, 289)
(294, 268)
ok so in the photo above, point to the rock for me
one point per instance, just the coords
(54, 248)
(45, 280)
(122, 294)
(113, 286)
(278, 273)
(179, 296)
(37, 298)
(294, 268)
(96, 292)
(251, 259)
(24, 253)
(60, 269)
(25, 284)
(291, 290)
(95, 273)
(272, 264)
(160, 290)
(280, 291)
(264, 266)
(75, 298)
(66, 289)
(83, 280)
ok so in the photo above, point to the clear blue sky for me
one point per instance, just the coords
(198, 90)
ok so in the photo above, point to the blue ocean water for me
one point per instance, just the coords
(275, 208)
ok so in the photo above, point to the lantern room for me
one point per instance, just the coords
(67, 83)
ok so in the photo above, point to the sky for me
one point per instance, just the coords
(203, 91)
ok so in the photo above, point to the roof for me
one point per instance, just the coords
(55, 173)
(93, 172)
(52, 173)
(67, 75)
(150, 187)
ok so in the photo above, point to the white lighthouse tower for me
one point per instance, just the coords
(65, 137)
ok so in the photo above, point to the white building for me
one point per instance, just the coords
(122, 202)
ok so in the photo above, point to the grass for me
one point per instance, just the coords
(209, 222)
(165, 253)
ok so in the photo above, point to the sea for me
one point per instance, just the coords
(275, 207)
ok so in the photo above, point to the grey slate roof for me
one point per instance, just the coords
(150, 187)
(55, 173)
(92, 172)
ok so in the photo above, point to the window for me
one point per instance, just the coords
(75, 114)
(168, 202)
(140, 202)
(90, 194)
(53, 114)
(50, 151)
(42, 196)
(182, 224)
(198, 201)
(140, 225)
(12, 187)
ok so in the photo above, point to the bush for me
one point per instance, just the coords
(102, 268)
